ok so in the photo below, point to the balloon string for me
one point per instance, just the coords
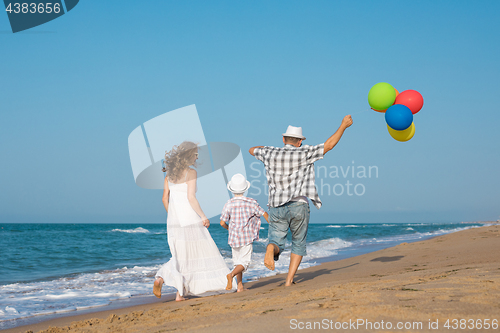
(360, 112)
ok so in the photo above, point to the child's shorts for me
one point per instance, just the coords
(242, 255)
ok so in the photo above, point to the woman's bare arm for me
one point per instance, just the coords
(166, 194)
(191, 194)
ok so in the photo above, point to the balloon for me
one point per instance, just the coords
(412, 99)
(383, 111)
(381, 96)
(398, 117)
(403, 135)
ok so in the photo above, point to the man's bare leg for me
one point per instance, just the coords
(295, 261)
(271, 251)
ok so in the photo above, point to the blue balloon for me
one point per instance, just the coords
(398, 117)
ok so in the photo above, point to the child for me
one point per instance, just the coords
(242, 215)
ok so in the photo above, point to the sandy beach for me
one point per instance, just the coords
(415, 287)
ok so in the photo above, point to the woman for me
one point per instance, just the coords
(196, 265)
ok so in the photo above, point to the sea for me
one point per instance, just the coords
(51, 269)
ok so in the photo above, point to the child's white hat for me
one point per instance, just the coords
(238, 184)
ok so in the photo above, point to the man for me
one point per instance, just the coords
(290, 176)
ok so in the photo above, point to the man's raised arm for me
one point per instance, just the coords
(334, 139)
(252, 149)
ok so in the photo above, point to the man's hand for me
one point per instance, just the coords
(347, 121)
(252, 149)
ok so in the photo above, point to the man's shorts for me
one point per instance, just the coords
(293, 215)
(242, 255)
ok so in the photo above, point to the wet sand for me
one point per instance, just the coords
(454, 276)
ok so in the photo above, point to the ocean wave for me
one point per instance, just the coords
(334, 226)
(132, 231)
(85, 290)
(408, 237)
(319, 249)
(326, 247)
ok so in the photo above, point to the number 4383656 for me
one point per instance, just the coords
(33, 8)
(471, 324)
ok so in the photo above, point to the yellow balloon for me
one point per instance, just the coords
(403, 135)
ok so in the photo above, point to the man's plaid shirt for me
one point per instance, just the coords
(290, 172)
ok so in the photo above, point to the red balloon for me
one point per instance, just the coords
(412, 99)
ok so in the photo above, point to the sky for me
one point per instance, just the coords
(73, 89)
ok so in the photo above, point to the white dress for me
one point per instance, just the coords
(196, 266)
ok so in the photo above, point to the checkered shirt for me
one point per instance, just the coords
(242, 214)
(290, 172)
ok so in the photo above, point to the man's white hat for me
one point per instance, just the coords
(294, 132)
(238, 184)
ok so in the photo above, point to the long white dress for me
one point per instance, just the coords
(196, 266)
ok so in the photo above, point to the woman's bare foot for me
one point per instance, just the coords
(179, 298)
(288, 284)
(157, 287)
(229, 281)
(269, 258)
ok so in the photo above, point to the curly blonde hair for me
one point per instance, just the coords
(179, 159)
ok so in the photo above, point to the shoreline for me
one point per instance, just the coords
(343, 253)
(261, 286)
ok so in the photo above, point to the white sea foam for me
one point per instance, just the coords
(132, 231)
(11, 310)
(261, 240)
(407, 237)
(409, 228)
(334, 226)
(77, 292)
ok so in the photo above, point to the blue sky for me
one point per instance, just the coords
(74, 88)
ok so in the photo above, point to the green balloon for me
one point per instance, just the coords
(381, 96)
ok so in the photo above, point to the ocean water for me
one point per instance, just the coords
(57, 268)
